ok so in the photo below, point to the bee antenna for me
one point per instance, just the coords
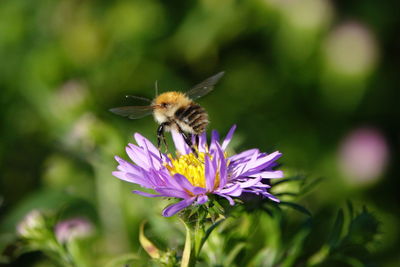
(156, 87)
(138, 97)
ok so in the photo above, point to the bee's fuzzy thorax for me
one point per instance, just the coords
(172, 98)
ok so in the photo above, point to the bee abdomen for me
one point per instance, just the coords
(184, 112)
(194, 116)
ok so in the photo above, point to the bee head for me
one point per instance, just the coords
(165, 105)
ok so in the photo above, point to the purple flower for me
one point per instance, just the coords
(73, 228)
(193, 179)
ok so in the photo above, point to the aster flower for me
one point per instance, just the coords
(194, 179)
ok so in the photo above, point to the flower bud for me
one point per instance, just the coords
(32, 225)
(73, 228)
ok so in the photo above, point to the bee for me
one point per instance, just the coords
(175, 111)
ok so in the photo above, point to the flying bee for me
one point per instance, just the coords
(175, 111)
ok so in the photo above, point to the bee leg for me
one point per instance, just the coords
(161, 136)
(196, 140)
(165, 144)
(188, 140)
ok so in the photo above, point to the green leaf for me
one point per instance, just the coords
(319, 257)
(229, 260)
(147, 245)
(188, 247)
(363, 228)
(209, 230)
(351, 261)
(296, 207)
(295, 247)
(290, 194)
(290, 179)
(337, 230)
(307, 187)
(123, 260)
(268, 211)
(351, 209)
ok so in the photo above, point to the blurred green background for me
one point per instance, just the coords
(316, 79)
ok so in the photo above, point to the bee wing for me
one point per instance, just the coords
(204, 87)
(133, 112)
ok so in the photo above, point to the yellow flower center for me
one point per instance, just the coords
(192, 167)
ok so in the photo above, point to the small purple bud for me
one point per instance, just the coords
(73, 228)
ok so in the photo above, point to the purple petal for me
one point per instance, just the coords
(209, 174)
(146, 194)
(242, 168)
(131, 178)
(237, 167)
(214, 140)
(260, 185)
(124, 165)
(142, 141)
(203, 142)
(137, 155)
(244, 155)
(272, 197)
(155, 177)
(228, 137)
(183, 181)
(169, 181)
(120, 175)
(172, 192)
(261, 163)
(180, 143)
(132, 169)
(198, 191)
(185, 184)
(174, 208)
(234, 190)
(231, 202)
(214, 136)
(175, 183)
(270, 174)
(250, 182)
(202, 199)
(223, 173)
(154, 161)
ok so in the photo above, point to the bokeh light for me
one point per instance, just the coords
(351, 50)
(363, 156)
(350, 54)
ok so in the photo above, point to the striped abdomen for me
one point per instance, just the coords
(192, 118)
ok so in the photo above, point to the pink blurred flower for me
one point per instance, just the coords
(73, 228)
(363, 155)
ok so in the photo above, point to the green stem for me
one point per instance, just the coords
(198, 237)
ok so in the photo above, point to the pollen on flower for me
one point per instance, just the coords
(190, 166)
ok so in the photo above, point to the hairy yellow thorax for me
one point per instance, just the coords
(172, 98)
